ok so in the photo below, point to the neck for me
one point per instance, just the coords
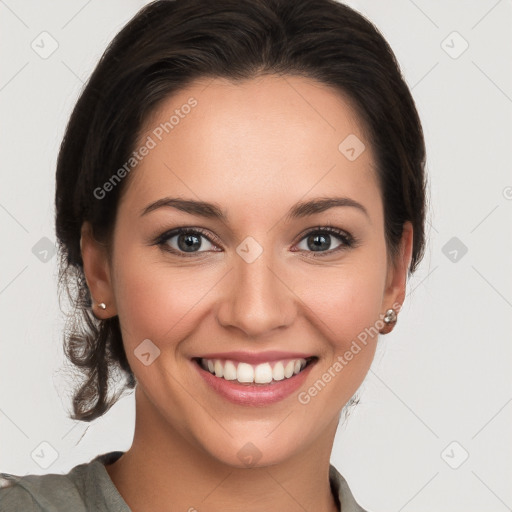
(162, 468)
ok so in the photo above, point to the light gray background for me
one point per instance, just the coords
(442, 375)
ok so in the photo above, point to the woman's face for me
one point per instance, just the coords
(265, 284)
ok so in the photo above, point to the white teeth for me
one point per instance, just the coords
(278, 371)
(219, 369)
(288, 369)
(244, 372)
(263, 373)
(230, 372)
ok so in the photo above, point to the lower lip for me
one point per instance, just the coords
(254, 394)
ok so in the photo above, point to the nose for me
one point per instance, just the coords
(258, 299)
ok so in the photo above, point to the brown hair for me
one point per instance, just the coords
(167, 45)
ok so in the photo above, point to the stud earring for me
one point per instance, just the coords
(102, 305)
(390, 316)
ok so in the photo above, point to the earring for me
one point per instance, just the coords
(390, 316)
(102, 305)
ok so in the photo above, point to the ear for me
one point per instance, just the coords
(396, 279)
(97, 273)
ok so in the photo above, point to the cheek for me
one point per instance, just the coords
(346, 307)
(157, 301)
(345, 300)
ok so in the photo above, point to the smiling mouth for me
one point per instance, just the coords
(264, 373)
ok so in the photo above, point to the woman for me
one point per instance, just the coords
(240, 199)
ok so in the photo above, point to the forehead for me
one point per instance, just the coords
(272, 138)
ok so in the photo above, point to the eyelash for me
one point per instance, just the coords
(348, 240)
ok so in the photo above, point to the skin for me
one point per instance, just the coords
(255, 148)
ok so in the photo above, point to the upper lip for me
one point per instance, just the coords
(256, 357)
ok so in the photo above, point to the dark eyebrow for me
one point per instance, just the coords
(200, 208)
(214, 211)
(320, 204)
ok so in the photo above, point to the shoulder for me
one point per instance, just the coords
(14, 498)
(84, 488)
(35, 493)
(342, 490)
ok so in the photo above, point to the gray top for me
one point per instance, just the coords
(88, 487)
